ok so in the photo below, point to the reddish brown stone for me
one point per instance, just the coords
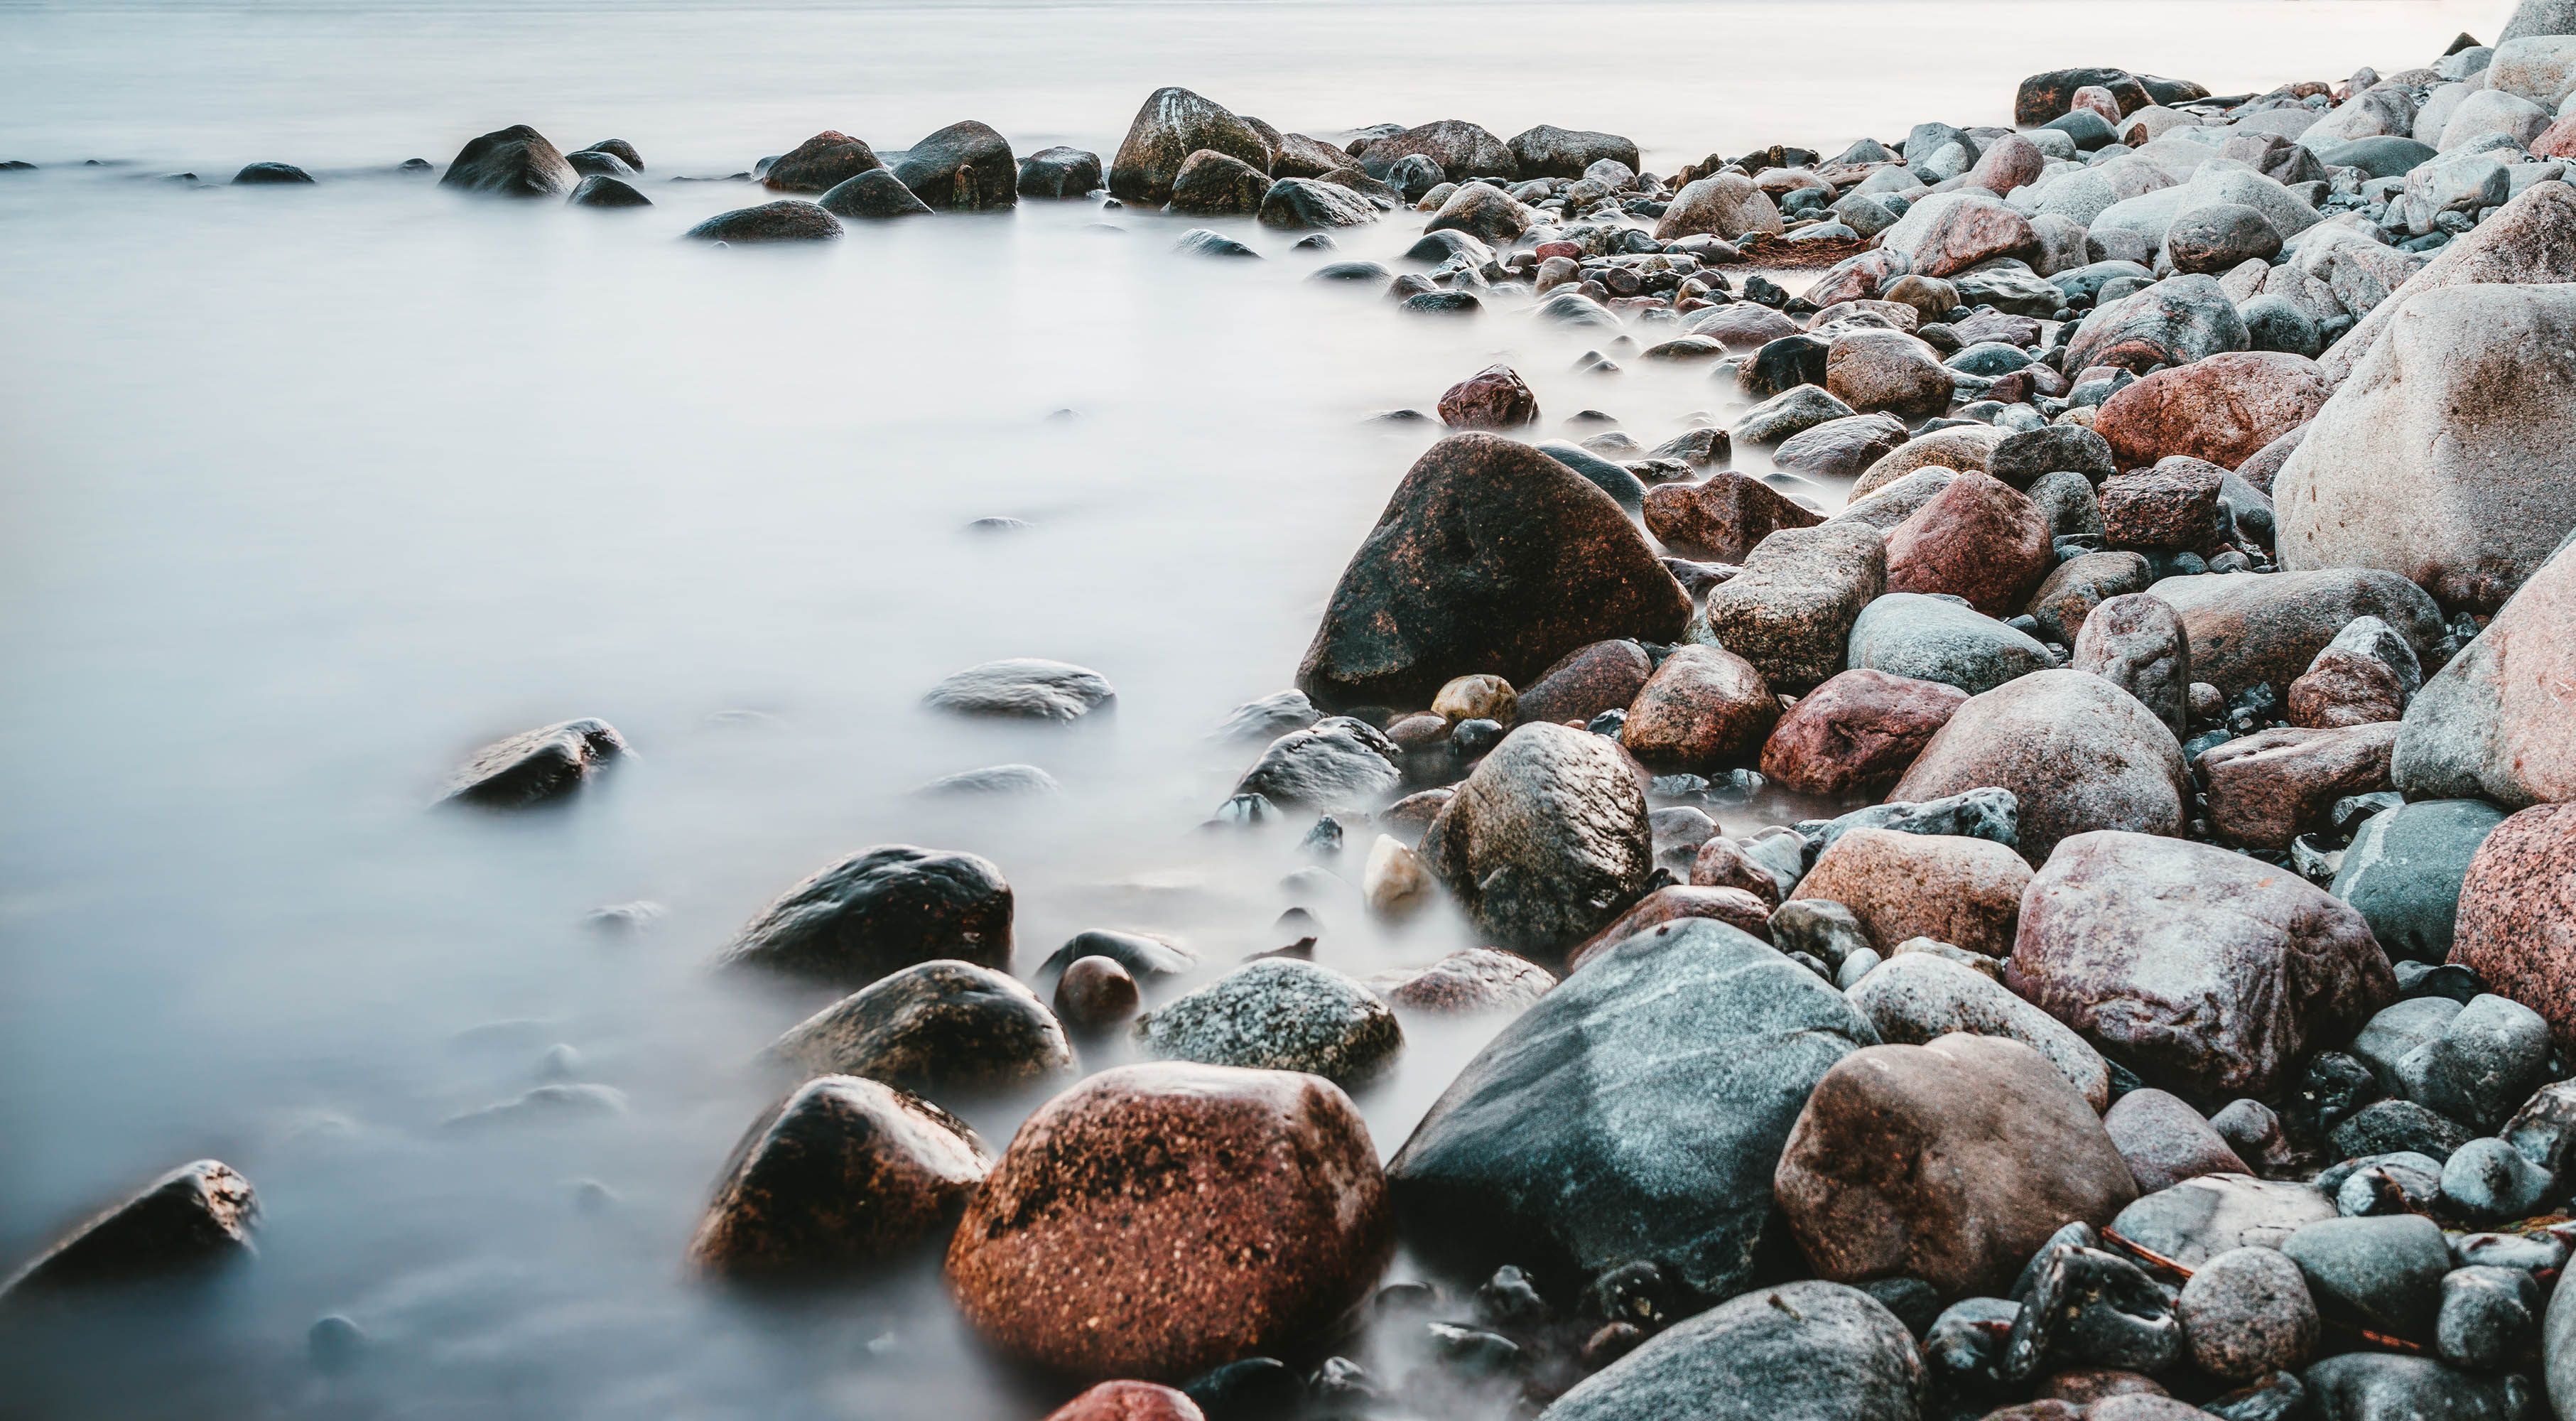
(1159, 1220)
(1129, 1401)
(2165, 1141)
(2173, 505)
(1468, 981)
(2267, 789)
(2224, 408)
(1494, 398)
(2517, 925)
(1723, 518)
(2078, 753)
(1857, 731)
(1722, 863)
(1095, 992)
(1950, 1162)
(1607, 675)
(1416, 811)
(1674, 903)
(820, 163)
(2344, 687)
(1704, 707)
(1978, 538)
(1417, 732)
(1953, 889)
(2086, 1385)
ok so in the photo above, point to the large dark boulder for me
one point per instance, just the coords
(1059, 172)
(1462, 150)
(2043, 97)
(1546, 841)
(965, 167)
(1636, 1112)
(1551, 152)
(871, 196)
(1805, 1351)
(511, 162)
(820, 163)
(196, 1217)
(1173, 124)
(786, 220)
(535, 765)
(1492, 558)
(880, 911)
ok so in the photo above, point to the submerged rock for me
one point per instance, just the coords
(878, 912)
(933, 1028)
(873, 195)
(1060, 173)
(511, 162)
(1023, 687)
(535, 765)
(196, 1217)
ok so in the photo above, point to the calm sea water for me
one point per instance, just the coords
(306, 492)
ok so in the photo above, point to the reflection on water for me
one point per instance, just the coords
(307, 492)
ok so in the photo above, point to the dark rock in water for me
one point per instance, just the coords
(1783, 365)
(1804, 1351)
(880, 911)
(933, 1028)
(844, 1176)
(553, 1105)
(1462, 150)
(600, 191)
(1483, 211)
(2383, 1273)
(590, 162)
(1636, 1111)
(965, 167)
(2088, 1306)
(1253, 1389)
(1174, 124)
(196, 1217)
(511, 162)
(1490, 558)
(820, 164)
(993, 779)
(1095, 993)
(258, 173)
(17, 165)
(1414, 174)
(1444, 303)
(1279, 1014)
(873, 194)
(2379, 1386)
(1158, 1220)
(619, 149)
(1551, 152)
(1610, 478)
(1025, 688)
(1060, 173)
(1297, 156)
(1493, 398)
(1307, 202)
(2042, 97)
(1268, 718)
(1145, 958)
(1211, 184)
(334, 1343)
(786, 220)
(1546, 841)
(1336, 762)
(535, 765)
(2388, 156)
(1200, 242)
(1361, 271)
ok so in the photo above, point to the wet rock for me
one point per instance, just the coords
(1789, 413)
(1129, 1401)
(1612, 479)
(1723, 863)
(2383, 1273)
(196, 1218)
(2497, 723)
(1470, 981)
(2174, 322)
(844, 1176)
(965, 167)
(1212, 184)
(1722, 519)
(1278, 1014)
(1977, 539)
(1953, 889)
(1297, 203)
(1490, 557)
(2247, 1314)
(1545, 841)
(2517, 924)
(2022, 459)
(1024, 687)
(597, 191)
(2398, 1127)
(1060, 173)
(535, 765)
(2266, 789)
(1951, 1163)
(871, 196)
(2488, 1314)
(511, 162)
(1887, 370)
(1174, 124)
(1918, 997)
(1839, 448)
(1268, 718)
(1745, 325)
(1095, 993)
(2266, 629)
(1482, 211)
(1802, 1351)
(2486, 1181)
(1933, 638)
(1726, 205)
(2166, 1142)
(1156, 1220)
(1200, 242)
(820, 163)
(2379, 1386)
(1336, 762)
(992, 780)
(2069, 595)
(1738, 908)
(1703, 708)
(2203, 1217)
(1147, 958)
(2084, 1305)
(878, 912)
(933, 1028)
(1606, 675)
(1859, 730)
(2129, 937)
(1563, 1135)
(265, 174)
(555, 1104)
(783, 221)
(1462, 150)
(1494, 398)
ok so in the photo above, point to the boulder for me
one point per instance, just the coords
(2079, 753)
(2079, 585)
(879, 911)
(1726, 205)
(2517, 923)
(2247, 1314)
(2203, 970)
(2022, 459)
(2223, 409)
(1738, 908)
(1977, 539)
(1158, 1220)
(1935, 638)
(1545, 841)
(1747, 325)
(2249, 629)
(965, 167)
(2499, 722)
(1482, 211)
(1790, 610)
(1917, 997)
(2043, 97)
(1950, 1162)
(2136, 643)
(820, 163)
(1213, 184)
(1491, 557)
(598, 191)
(512, 162)
(1703, 709)
(2384, 1272)
(1950, 232)
(1722, 519)
(1857, 731)
(2380, 1386)
(2404, 868)
(2174, 322)
(1887, 370)
(786, 220)
(2218, 237)
(1606, 675)
(933, 1028)
(1803, 1351)
(1023, 688)
(1462, 150)
(2268, 788)
(1301, 203)
(534, 766)
(1060, 173)
(1278, 1014)
(1962, 891)
(1492, 398)
(2165, 1141)
(2531, 241)
(1635, 1112)
(2173, 506)
(1956, 447)
(193, 1220)
(2491, 113)
(844, 1176)
(873, 195)
(1839, 448)
(1470, 981)
(1338, 762)
(1551, 152)
(1295, 155)
(1174, 124)
(2202, 1217)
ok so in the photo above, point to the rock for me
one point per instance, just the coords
(1840, 448)
(1156, 1220)
(1977, 539)
(2267, 788)
(1705, 707)
(2490, 112)
(2223, 409)
(2079, 754)
(1545, 841)
(1960, 447)
(2079, 585)
(844, 1176)
(1744, 325)
(1129, 1401)
(2383, 1273)
(2499, 722)
(1857, 731)
(1738, 908)
(1613, 479)
(2484, 1180)
(1789, 413)
(1200, 242)
(2022, 459)
(1804, 1351)
(2165, 1141)
(1918, 997)
(2517, 924)
(1212, 184)
(820, 163)
(2558, 1344)
(1483, 211)
(2129, 938)
(1026, 688)
(1470, 981)
(2174, 322)
(2203, 1217)
(2247, 1313)
(1726, 205)
(511, 162)
(1337, 762)
(1394, 882)
(2404, 869)
(1095, 993)
(2379, 1386)
(1957, 890)
(270, 174)
(1299, 203)
(933, 1028)
(1991, 814)
(1606, 675)
(965, 167)
(873, 195)
(878, 912)
(535, 765)
(782, 221)
(596, 191)
(2398, 1126)
(1791, 608)
(1563, 1136)
(2172, 506)
(2347, 687)
(1494, 398)
(193, 1220)
(1550, 152)
(2043, 97)
(2266, 629)
(1951, 1162)
(1278, 1014)
(1947, 233)
(1147, 958)
(2218, 237)
(1462, 150)
(2136, 642)
(1722, 519)
(1887, 370)
(1931, 638)
(1723, 863)
(1173, 125)
(1550, 568)
(1060, 173)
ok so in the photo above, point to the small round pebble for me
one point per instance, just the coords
(1095, 992)
(2247, 1313)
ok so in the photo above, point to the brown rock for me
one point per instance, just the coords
(1095, 993)
(2165, 1141)
(2136, 642)
(1586, 681)
(2205, 971)
(1953, 889)
(1416, 811)
(1743, 325)
(1727, 204)
(2517, 925)
(1722, 863)
(2224, 408)
(2070, 593)
(1705, 707)
(197, 1217)
(820, 163)
(1129, 1401)
(1470, 981)
(2078, 752)
(1493, 398)
(934, 1028)
(843, 1176)
(1951, 1162)
(1214, 184)
(2345, 687)
(1672, 904)
(2268, 788)
(1790, 610)
(2009, 162)
(1887, 370)
(1159, 1220)
(2249, 628)
(2173, 505)
(1977, 539)
(1858, 731)
(1930, 298)
(1947, 233)
(1970, 446)
(1722, 519)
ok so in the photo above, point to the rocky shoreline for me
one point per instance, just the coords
(2179, 1020)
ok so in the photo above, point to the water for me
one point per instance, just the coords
(307, 492)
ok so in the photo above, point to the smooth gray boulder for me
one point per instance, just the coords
(1546, 840)
(2404, 868)
(1805, 1351)
(1934, 638)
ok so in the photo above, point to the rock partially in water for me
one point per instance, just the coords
(1147, 958)
(965, 167)
(511, 162)
(1023, 687)
(1060, 173)
(1335, 763)
(937, 1028)
(1705, 708)
(992, 780)
(600, 191)
(1583, 683)
(872, 196)
(1296, 203)
(1804, 1351)
(786, 220)
(1470, 981)
(195, 1218)
(261, 174)
(1213, 184)
(1462, 150)
(1279, 1014)
(1200, 242)
(820, 163)
(1095, 993)
(879, 911)
(1173, 124)
(535, 765)
(1545, 841)
(1547, 151)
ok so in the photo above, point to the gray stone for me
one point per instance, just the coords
(2558, 1344)
(1024, 688)
(2165, 1141)
(2247, 1313)
(2136, 642)
(2487, 1316)
(2498, 723)
(2070, 505)
(1985, 813)
(2485, 1063)
(871, 196)
(2203, 1217)
(2381, 1386)
(1825, 930)
(2486, 1181)
(2389, 1126)
(2544, 1130)
(2396, 1031)
(1790, 610)
(1804, 1351)
(2383, 1273)
(1337, 762)
(1917, 997)
(1545, 841)
(1935, 638)
(1278, 1014)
